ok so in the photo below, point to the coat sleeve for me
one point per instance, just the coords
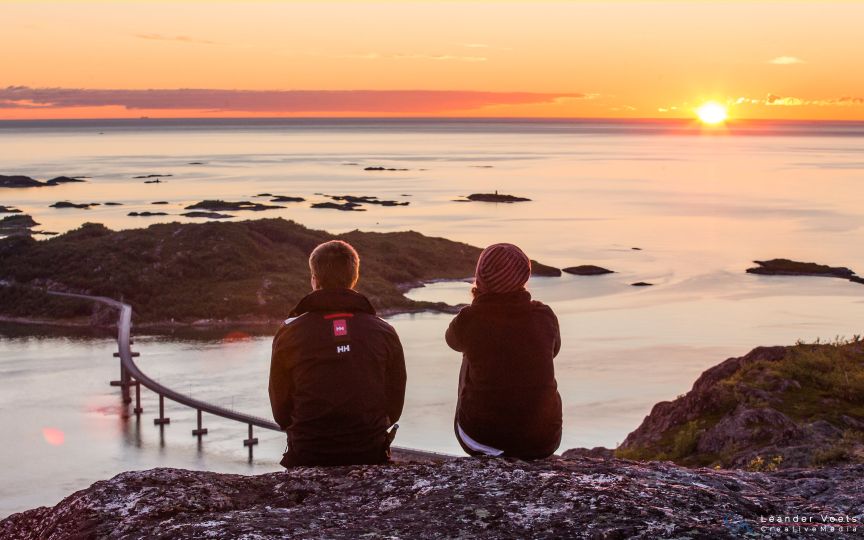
(281, 386)
(557, 331)
(453, 335)
(395, 380)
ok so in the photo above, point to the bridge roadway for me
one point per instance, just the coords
(131, 375)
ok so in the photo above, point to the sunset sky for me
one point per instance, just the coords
(799, 60)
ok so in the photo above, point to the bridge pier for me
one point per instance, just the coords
(200, 431)
(137, 410)
(125, 380)
(162, 420)
(250, 442)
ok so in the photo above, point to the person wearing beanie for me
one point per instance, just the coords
(508, 401)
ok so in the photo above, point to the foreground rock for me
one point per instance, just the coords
(465, 498)
(785, 267)
(774, 408)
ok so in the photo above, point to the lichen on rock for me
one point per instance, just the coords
(578, 497)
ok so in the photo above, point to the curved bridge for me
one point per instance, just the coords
(131, 375)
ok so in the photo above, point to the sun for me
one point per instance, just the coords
(712, 113)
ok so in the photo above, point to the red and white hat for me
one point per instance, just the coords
(502, 268)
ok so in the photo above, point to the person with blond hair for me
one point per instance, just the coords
(337, 371)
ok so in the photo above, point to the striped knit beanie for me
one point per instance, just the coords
(502, 268)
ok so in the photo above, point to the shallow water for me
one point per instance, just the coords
(700, 207)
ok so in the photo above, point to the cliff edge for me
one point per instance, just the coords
(576, 497)
(776, 407)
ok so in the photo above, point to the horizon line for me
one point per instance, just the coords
(675, 119)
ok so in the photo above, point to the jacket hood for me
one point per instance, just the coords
(333, 300)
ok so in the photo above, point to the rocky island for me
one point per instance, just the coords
(493, 197)
(67, 204)
(249, 271)
(208, 215)
(285, 198)
(19, 181)
(587, 270)
(786, 267)
(231, 206)
(17, 224)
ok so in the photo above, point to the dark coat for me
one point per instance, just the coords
(337, 379)
(508, 398)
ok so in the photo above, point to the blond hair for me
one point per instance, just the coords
(335, 265)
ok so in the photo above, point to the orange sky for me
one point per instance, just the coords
(800, 60)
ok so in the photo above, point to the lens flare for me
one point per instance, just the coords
(53, 436)
(235, 336)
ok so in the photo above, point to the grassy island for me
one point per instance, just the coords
(250, 271)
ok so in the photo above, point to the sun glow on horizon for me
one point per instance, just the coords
(712, 113)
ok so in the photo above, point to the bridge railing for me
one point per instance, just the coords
(132, 376)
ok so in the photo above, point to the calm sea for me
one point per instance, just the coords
(700, 205)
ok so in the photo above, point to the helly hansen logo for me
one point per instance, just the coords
(343, 349)
(340, 327)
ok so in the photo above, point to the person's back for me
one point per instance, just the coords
(508, 399)
(337, 374)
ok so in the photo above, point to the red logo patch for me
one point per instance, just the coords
(340, 327)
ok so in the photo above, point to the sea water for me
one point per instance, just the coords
(700, 206)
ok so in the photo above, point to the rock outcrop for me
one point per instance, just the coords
(465, 498)
(774, 408)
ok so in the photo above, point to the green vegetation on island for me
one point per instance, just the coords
(249, 271)
(776, 407)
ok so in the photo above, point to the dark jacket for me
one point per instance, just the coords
(509, 398)
(337, 379)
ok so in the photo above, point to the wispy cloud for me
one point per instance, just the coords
(785, 61)
(484, 46)
(775, 100)
(182, 39)
(433, 57)
(276, 101)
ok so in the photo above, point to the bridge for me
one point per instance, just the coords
(131, 377)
